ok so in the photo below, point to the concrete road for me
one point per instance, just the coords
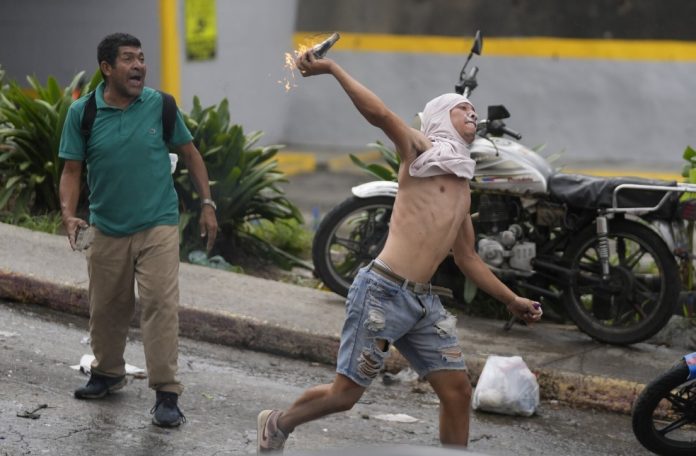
(226, 388)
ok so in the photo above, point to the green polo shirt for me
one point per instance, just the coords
(128, 169)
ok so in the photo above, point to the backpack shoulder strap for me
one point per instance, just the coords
(169, 111)
(88, 116)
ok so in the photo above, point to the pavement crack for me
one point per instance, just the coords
(71, 433)
(20, 440)
(580, 354)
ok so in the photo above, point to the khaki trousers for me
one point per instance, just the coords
(149, 258)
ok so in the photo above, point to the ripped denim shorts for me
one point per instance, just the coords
(378, 309)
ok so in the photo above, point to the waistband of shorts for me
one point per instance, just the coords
(415, 287)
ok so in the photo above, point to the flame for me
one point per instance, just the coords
(288, 80)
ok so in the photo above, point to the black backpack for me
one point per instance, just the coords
(169, 111)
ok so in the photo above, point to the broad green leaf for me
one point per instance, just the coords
(470, 290)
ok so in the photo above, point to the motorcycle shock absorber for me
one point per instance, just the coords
(603, 244)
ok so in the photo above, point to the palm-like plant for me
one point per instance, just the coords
(244, 179)
(389, 172)
(689, 172)
(31, 123)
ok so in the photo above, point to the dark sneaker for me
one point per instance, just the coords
(166, 412)
(99, 386)
(269, 438)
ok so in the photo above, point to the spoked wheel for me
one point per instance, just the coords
(664, 415)
(348, 238)
(640, 295)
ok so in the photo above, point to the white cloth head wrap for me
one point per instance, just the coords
(449, 153)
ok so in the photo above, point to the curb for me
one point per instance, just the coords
(216, 327)
(230, 329)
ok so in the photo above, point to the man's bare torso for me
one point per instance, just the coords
(428, 214)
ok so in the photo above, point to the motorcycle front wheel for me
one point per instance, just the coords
(350, 236)
(640, 295)
(664, 414)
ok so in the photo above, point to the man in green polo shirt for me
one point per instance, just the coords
(134, 219)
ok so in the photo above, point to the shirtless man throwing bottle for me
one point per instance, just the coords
(391, 300)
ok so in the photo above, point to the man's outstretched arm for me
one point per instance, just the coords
(406, 140)
(469, 262)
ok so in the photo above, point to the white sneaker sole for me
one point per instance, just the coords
(260, 425)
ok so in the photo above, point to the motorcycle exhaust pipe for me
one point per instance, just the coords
(508, 274)
(548, 267)
(555, 295)
(519, 277)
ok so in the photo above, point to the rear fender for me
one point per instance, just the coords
(671, 233)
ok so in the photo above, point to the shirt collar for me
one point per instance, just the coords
(102, 104)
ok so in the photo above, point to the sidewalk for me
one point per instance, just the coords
(258, 314)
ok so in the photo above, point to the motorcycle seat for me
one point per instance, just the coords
(592, 192)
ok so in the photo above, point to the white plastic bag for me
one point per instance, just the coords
(506, 386)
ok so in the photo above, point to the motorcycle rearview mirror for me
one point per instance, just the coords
(478, 44)
(475, 49)
(497, 112)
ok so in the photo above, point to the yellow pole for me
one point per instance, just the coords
(170, 68)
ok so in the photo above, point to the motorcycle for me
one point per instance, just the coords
(664, 414)
(604, 251)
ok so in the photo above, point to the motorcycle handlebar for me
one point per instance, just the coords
(496, 128)
(467, 83)
(512, 133)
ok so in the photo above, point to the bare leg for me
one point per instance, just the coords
(320, 401)
(454, 390)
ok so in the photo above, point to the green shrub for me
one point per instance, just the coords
(51, 223)
(687, 270)
(3, 86)
(392, 159)
(244, 180)
(288, 235)
(30, 129)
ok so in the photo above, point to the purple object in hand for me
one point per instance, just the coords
(537, 306)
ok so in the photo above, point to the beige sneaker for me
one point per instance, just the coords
(269, 438)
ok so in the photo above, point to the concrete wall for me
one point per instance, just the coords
(617, 19)
(59, 38)
(253, 37)
(630, 113)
